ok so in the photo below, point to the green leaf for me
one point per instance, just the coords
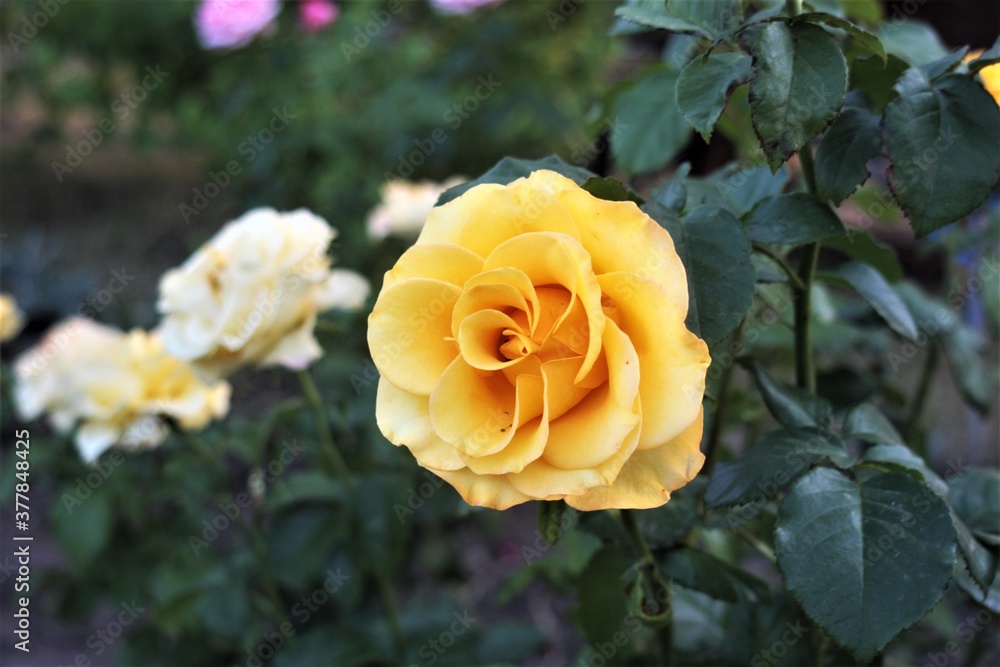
(979, 560)
(867, 423)
(305, 487)
(511, 168)
(381, 497)
(704, 85)
(648, 131)
(913, 41)
(962, 349)
(902, 458)
(865, 38)
(776, 460)
(611, 189)
(600, 595)
(990, 599)
(737, 188)
(550, 514)
(655, 15)
(701, 17)
(941, 142)
(936, 69)
(713, 16)
(794, 218)
(509, 642)
(989, 57)
(667, 525)
(299, 543)
(84, 529)
(868, 11)
(716, 256)
(861, 246)
(225, 609)
(674, 194)
(331, 644)
(704, 572)
(791, 406)
(799, 83)
(852, 140)
(879, 294)
(975, 497)
(933, 316)
(875, 78)
(865, 560)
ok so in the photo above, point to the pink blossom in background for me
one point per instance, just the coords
(461, 6)
(230, 24)
(314, 15)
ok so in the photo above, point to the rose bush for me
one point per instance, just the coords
(532, 346)
(251, 294)
(116, 385)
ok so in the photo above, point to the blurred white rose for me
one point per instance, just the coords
(116, 386)
(11, 318)
(405, 207)
(251, 294)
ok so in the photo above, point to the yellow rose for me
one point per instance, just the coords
(251, 294)
(117, 386)
(989, 75)
(405, 207)
(11, 318)
(532, 346)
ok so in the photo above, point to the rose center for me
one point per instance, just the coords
(514, 345)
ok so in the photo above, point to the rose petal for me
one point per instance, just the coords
(528, 441)
(673, 360)
(487, 215)
(649, 476)
(526, 446)
(620, 237)
(94, 438)
(445, 262)
(593, 431)
(404, 419)
(505, 289)
(409, 333)
(479, 338)
(473, 410)
(297, 349)
(556, 259)
(493, 491)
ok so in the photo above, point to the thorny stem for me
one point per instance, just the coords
(805, 371)
(665, 632)
(250, 532)
(793, 277)
(337, 465)
(333, 457)
(923, 393)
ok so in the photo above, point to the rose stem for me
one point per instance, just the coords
(665, 633)
(330, 451)
(920, 398)
(805, 371)
(339, 466)
(250, 532)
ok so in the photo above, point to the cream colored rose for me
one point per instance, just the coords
(532, 346)
(251, 294)
(11, 318)
(115, 386)
(405, 206)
